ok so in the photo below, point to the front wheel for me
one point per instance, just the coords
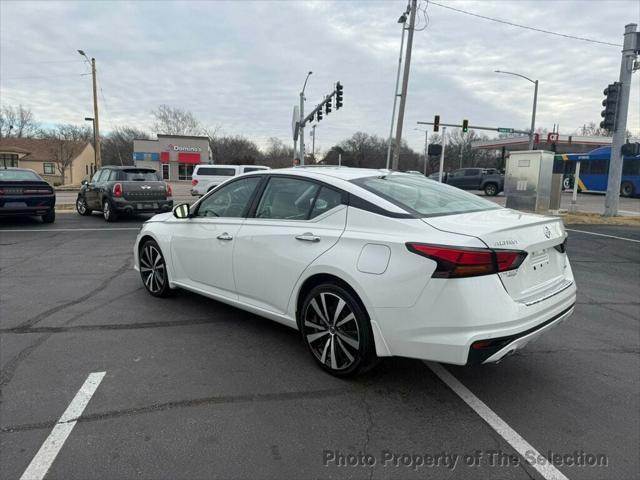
(153, 270)
(626, 189)
(49, 217)
(108, 213)
(336, 330)
(82, 207)
(491, 190)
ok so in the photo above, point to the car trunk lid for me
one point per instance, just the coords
(544, 269)
(144, 191)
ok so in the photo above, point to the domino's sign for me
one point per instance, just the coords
(184, 148)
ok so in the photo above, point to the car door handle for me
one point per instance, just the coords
(308, 237)
(224, 236)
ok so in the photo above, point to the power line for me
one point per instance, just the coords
(526, 27)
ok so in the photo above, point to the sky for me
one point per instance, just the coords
(239, 65)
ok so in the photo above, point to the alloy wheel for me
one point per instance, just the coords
(106, 211)
(81, 206)
(331, 331)
(152, 268)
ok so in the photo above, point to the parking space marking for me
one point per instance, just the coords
(603, 235)
(519, 444)
(69, 229)
(49, 450)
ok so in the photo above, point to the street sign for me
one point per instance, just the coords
(505, 130)
(295, 122)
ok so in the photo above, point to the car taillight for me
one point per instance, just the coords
(117, 190)
(562, 248)
(194, 182)
(37, 191)
(459, 262)
(169, 190)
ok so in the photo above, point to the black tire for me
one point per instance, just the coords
(108, 213)
(626, 189)
(153, 269)
(349, 348)
(491, 190)
(49, 217)
(82, 207)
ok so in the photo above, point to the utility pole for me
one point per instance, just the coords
(533, 116)
(301, 134)
(96, 123)
(629, 51)
(313, 142)
(461, 147)
(426, 148)
(444, 141)
(403, 21)
(405, 84)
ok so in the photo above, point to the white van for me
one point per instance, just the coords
(206, 177)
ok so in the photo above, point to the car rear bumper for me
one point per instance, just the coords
(149, 206)
(20, 206)
(450, 316)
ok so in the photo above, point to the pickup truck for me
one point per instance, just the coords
(129, 190)
(489, 180)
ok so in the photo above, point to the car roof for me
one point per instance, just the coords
(128, 167)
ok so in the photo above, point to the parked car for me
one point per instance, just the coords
(207, 177)
(124, 190)
(491, 181)
(24, 193)
(436, 176)
(367, 264)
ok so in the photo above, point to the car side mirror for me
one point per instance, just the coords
(181, 210)
(85, 182)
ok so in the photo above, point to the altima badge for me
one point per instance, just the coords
(547, 232)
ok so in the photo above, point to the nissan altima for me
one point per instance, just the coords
(367, 264)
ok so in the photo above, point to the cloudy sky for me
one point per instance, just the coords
(239, 65)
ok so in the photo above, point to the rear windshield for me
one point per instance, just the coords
(253, 169)
(219, 172)
(424, 197)
(138, 176)
(18, 176)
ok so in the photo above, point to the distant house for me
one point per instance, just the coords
(47, 156)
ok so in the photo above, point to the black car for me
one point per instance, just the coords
(124, 190)
(489, 180)
(24, 193)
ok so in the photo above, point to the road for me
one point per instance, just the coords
(590, 203)
(196, 389)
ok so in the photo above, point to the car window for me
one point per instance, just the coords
(471, 172)
(231, 200)
(456, 173)
(287, 198)
(104, 175)
(18, 175)
(252, 169)
(325, 201)
(113, 176)
(216, 171)
(138, 175)
(423, 197)
(96, 176)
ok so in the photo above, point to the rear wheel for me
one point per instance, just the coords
(153, 270)
(626, 189)
(108, 213)
(82, 207)
(491, 190)
(336, 330)
(49, 217)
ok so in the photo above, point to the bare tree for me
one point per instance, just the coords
(117, 146)
(17, 122)
(278, 155)
(235, 151)
(67, 142)
(175, 121)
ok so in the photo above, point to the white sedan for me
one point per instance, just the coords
(367, 264)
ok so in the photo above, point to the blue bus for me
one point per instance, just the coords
(594, 171)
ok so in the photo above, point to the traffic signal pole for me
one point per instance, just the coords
(629, 52)
(444, 142)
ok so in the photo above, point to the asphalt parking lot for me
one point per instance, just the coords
(196, 389)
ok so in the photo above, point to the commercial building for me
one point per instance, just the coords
(49, 158)
(173, 156)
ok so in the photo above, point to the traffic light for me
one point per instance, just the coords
(436, 123)
(338, 96)
(327, 106)
(319, 114)
(630, 149)
(610, 104)
(465, 126)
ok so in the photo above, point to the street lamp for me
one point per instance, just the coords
(535, 101)
(302, 118)
(96, 123)
(426, 147)
(403, 21)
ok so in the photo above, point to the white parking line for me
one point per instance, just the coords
(519, 444)
(49, 450)
(68, 229)
(603, 235)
